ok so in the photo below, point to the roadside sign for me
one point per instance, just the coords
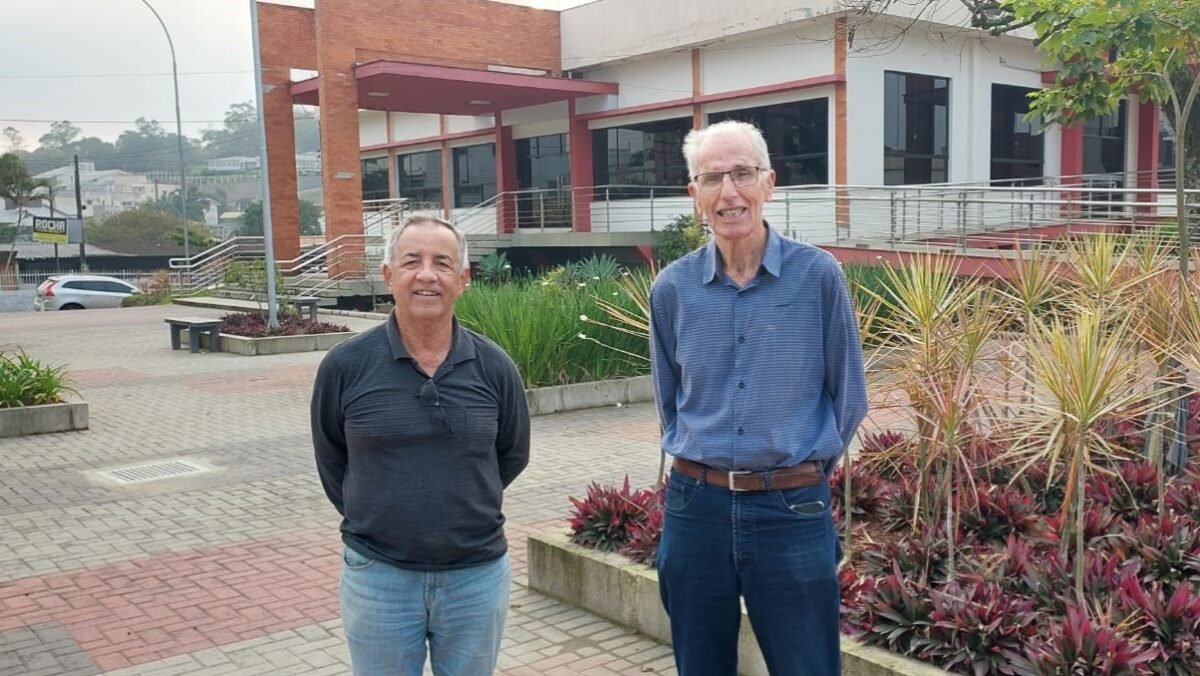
(56, 230)
(52, 230)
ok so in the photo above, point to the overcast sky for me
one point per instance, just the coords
(103, 63)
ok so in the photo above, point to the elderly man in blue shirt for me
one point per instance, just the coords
(759, 382)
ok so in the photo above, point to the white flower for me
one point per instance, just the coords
(580, 284)
(582, 336)
(618, 404)
(595, 278)
(583, 318)
(507, 266)
(614, 293)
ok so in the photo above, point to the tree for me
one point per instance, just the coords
(61, 135)
(16, 142)
(1106, 50)
(169, 203)
(252, 219)
(144, 225)
(148, 147)
(239, 136)
(18, 187)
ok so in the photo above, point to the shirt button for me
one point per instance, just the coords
(741, 339)
(741, 431)
(741, 384)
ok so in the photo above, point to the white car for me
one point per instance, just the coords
(79, 292)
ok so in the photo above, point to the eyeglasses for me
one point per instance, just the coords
(742, 177)
(428, 394)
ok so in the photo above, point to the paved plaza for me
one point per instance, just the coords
(234, 571)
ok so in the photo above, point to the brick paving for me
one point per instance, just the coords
(234, 571)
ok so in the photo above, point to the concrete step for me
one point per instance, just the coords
(236, 304)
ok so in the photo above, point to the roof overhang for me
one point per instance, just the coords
(422, 88)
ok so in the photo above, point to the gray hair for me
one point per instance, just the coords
(394, 237)
(697, 137)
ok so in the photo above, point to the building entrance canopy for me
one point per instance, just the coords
(418, 88)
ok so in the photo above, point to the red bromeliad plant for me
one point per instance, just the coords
(605, 518)
(1081, 645)
(1170, 622)
(974, 629)
(644, 536)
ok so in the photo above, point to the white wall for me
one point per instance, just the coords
(461, 123)
(804, 51)
(549, 118)
(407, 126)
(372, 127)
(652, 79)
(607, 30)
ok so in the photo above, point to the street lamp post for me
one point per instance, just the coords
(187, 245)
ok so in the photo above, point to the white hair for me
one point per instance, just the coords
(394, 238)
(697, 137)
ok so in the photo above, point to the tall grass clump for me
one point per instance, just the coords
(25, 381)
(539, 325)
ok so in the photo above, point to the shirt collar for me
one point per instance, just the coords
(772, 257)
(461, 347)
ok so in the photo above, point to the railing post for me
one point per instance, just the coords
(651, 208)
(962, 221)
(607, 211)
(787, 212)
(541, 211)
(892, 200)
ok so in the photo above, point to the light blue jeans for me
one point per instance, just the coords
(390, 615)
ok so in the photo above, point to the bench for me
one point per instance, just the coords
(305, 305)
(196, 326)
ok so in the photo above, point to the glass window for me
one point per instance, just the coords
(649, 154)
(474, 174)
(797, 135)
(1104, 143)
(420, 177)
(543, 162)
(916, 144)
(1017, 143)
(374, 179)
(1166, 142)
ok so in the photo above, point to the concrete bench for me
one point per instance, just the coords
(306, 305)
(196, 326)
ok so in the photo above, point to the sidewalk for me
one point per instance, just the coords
(234, 571)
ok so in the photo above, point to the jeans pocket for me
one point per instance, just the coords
(354, 560)
(680, 491)
(807, 503)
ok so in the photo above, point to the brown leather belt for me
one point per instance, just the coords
(808, 473)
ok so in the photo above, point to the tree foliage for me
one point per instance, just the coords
(252, 219)
(169, 203)
(146, 225)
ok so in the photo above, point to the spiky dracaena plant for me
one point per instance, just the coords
(1031, 288)
(1081, 374)
(923, 302)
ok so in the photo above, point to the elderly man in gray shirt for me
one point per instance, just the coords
(418, 426)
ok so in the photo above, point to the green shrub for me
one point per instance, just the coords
(493, 268)
(25, 381)
(538, 323)
(684, 234)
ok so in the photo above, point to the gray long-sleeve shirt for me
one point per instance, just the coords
(419, 488)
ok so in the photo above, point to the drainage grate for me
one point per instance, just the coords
(154, 471)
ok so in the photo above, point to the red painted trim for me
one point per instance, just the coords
(791, 85)
(1049, 76)
(477, 76)
(430, 139)
(580, 162)
(308, 86)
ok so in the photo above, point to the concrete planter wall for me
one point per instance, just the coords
(543, 400)
(278, 344)
(23, 420)
(619, 590)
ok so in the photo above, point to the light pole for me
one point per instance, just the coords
(187, 246)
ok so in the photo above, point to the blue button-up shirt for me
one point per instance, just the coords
(759, 377)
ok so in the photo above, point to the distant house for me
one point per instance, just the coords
(234, 164)
(104, 192)
(308, 164)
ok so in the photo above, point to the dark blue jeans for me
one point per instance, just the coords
(776, 549)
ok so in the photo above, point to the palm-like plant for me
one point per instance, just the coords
(18, 187)
(1082, 373)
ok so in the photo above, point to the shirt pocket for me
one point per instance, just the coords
(482, 421)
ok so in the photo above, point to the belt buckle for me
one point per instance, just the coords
(732, 480)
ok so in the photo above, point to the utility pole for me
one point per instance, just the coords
(187, 246)
(79, 214)
(268, 240)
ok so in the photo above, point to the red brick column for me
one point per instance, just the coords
(579, 138)
(341, 167)
(1148, 156)
(1072, 167)
(506, 177)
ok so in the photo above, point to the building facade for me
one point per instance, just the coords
(508, 118)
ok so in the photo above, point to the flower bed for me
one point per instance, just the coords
(253, 325)
(32, 398)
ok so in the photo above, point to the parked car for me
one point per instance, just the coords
(79, 292)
